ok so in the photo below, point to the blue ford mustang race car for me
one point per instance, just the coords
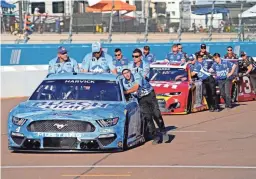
(76, 112)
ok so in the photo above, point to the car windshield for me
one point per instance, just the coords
(95, 90)
(168, 74)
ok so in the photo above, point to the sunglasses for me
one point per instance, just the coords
(135, 56)
(203, 48)
(229, 49)
(179, 48)
(118, 55)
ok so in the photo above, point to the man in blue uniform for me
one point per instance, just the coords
(180, 49)
(120, 61)
(175, 55)
(138, 65)
(209, 87)
(138, 86)
(147, 56)
(98, 61)
(230, 54)
(62, 63)
(224, 70)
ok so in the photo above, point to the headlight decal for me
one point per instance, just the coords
(18, 121)
(108, 122)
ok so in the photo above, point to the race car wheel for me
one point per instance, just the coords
(125, 146)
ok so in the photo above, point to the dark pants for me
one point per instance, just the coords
(224, 86)
(253, 80)
(150, 110)
(209, 92)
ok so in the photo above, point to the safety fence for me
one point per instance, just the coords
(99, 23)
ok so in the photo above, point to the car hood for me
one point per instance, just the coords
(68, 109)
(161, 87)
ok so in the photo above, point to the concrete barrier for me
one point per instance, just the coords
(19, 81)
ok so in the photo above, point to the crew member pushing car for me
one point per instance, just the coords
(138, 86)
(175, 55)
(98, 61)
(230, 54)
(147, 56)
(62, 63)
(120, 61)
(209, 87)
(224, 70)
(203, 52)
(138, 65)
(248, 65)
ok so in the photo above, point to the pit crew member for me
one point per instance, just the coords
(230, 54)
(98, 61)
(138, 65)
(120, 61)
(147, 56)
(224, 70)
(203, 52)
(180, 49)
(248, 65)
(175, 55)
(141, 88)
(62, 63)
(209, 87)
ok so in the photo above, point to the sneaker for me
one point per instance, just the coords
(217, 110)
(166, 138)
(156, 140)
(211, 110)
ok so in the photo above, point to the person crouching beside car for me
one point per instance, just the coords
(138, 86)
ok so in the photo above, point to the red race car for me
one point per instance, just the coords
(176, 92)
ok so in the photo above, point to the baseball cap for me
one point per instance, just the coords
(96, 46)
(146, 48)
(203, 46)
(191, 57)
(62, 50)
(242, 53)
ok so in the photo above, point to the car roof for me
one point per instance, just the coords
(83, 76)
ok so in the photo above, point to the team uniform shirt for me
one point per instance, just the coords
(142, 70)
(103, 64)
(222, 69)
(68, 66)
(121, 64)
(150, 58)
(174, 57)
(233, 56)
(144, 87)
(201, 70)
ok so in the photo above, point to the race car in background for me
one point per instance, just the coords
(241, 88)
(76, 112)
(176, 92)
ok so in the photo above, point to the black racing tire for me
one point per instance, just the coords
(125, 146)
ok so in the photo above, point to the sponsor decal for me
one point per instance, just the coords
(42, 134)
(66, 105)
(79, 81)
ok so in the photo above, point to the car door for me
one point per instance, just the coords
(134, 122)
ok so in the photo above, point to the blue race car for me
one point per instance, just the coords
(76, 112)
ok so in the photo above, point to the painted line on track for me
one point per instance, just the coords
(134, 166)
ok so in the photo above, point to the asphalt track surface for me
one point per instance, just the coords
(204, 145)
